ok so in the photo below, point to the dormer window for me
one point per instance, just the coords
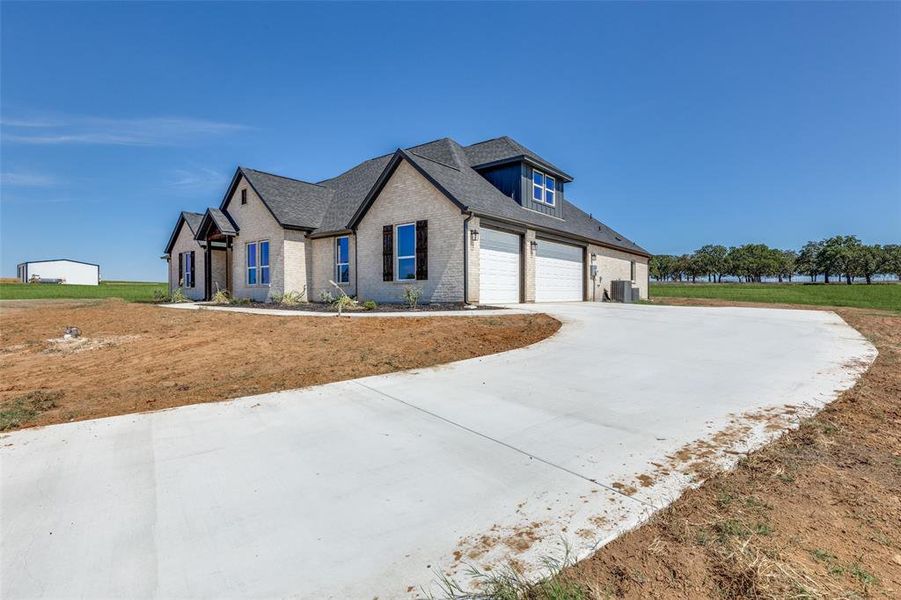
(544, 188)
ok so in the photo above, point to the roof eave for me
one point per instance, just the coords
(574, 236)
(526, 159)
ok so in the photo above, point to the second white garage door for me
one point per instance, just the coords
(498, 267)
(558, 273)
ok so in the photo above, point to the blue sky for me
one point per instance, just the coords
(683, 124)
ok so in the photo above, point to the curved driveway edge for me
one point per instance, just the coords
(371, 487)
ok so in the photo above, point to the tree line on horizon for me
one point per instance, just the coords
(841, 256)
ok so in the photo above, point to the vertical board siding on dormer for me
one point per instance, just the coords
(526, 194)
(507, 179)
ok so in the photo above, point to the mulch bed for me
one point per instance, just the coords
(381, 308)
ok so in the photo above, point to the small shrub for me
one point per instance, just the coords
(291, 298)
(412, 295)
(345, 302)
(178, 296)
(221, 297)
(370, 305)
(326, 297)
(161, 296)
(239, 301)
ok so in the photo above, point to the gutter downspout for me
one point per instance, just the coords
(466, 259)
(357, 266)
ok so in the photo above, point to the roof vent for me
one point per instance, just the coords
(618, 239)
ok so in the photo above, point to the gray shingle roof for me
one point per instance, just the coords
(329, 205)
(294, 203)
(222, 221)
(192, 219)
(479, 196)
(349, 189)
(505, 149)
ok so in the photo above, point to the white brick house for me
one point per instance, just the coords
(486, 223)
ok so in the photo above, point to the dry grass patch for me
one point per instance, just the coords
(135, 357)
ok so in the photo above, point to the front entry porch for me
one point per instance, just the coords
(215, 235)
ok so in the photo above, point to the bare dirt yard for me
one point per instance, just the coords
(817, 514)
(138, 357)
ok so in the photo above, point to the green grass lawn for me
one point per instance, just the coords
(877, 295)
(133, 291)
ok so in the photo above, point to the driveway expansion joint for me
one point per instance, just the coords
(506, 445)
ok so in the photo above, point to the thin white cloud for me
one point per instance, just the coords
(26, 179)
(149, 131)
(199, 178)
(7, 199)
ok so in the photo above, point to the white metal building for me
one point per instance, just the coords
(60, 270)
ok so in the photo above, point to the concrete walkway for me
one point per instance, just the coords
(370, 487)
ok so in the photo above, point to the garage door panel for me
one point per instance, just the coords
(558, 272)
(499, 267)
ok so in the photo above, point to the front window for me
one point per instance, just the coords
(258, 263)
(252, 263)
(544, 188)
(342, 260)
(264, 262)
(187, 267)
(405, 242)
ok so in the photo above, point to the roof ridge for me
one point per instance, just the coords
(283, 177)
(441, 139)
(438, 162)
(494, 139)
(359, 164)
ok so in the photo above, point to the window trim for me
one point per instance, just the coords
(552, 190)
(544, 188)
(398, 257)
(338, 264)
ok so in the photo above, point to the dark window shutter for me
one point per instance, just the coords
(388, 253)
(181, 268)
(422, 250)
(192, 269)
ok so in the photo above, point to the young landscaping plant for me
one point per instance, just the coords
(344, 302)
(221, 296)
(292, 298)
(412, 294)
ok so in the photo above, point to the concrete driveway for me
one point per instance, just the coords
(370, 487)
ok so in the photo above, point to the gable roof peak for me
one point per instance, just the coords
(242, 169)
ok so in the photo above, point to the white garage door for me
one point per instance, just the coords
(498, 267)
(558, 272)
